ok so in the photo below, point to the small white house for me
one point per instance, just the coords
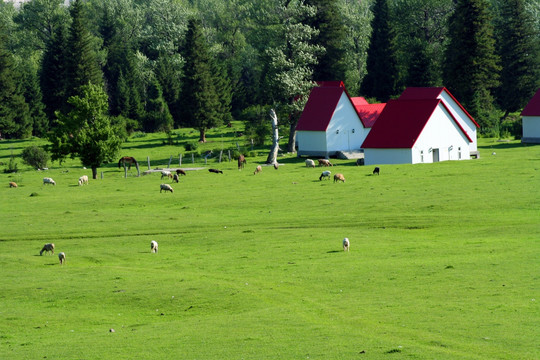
(530, 117)
(459, 113)
(416, 131)
(329, 123)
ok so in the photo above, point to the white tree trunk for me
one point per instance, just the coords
(272, 156)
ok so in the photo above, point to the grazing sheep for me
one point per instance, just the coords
(165, 187)
(339, 177)
(180, 172)
(165, 173)
(257, 170)
(325, 174)
(154, 246)
(346, 244)
(62, 258)
(12, 184)
(83, 180)
(325, 162)
(241, 161)
(48, 180)
(175, 177)
(47, 248)
(376, 170)
(310, 163)
(215, 171)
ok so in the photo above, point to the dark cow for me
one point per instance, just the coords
(215, 171)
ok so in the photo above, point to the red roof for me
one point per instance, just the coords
(401, 123)
(533, 107)
(369, 113)
(359, 101)
(424, 93)
(319, 108)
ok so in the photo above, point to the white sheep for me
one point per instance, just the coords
(325, 174)
(48, 180)
(154, 246)
(310, 163)
(166, 187)
(346, 244)
(46, 248)
(257, 170)
(62, 258)
(165, 173)
(83, 180)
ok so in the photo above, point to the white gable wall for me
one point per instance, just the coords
(531, 129)
(465, 122)
(311, 143)
(345, 131)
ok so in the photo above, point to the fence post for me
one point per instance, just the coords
(220, 155)
(192, 158)
(180, 160)
(125, 170)
(148, 159)
(229, 155)
(102, 175)
(170, 159)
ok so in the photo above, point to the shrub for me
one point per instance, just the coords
(191, 146)
(35, 156)
(12, 165)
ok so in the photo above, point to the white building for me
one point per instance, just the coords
(416, 131)
(530, 117)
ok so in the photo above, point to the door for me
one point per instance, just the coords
(435, 155)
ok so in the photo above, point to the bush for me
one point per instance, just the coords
(191, 146)
(35, 156)
(12, 166)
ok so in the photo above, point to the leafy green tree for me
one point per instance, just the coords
(15, 121)
(471, 71)
(291, 62)
(53, 73)
(329, 21)
(199, 97)
(82, 65)
(86, 132)
(518, 45)
(382, 76)
(35, 156)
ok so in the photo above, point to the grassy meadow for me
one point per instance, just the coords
(444, 260)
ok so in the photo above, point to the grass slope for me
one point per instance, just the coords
(443, 261)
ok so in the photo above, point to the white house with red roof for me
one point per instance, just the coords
(417, 131)
(459, 113)
(334, 122)
(530, 117)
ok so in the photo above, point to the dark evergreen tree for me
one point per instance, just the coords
(518, 47)
(14, 114)
(82, 64)
(169, 80)
(471, 69)
(199, 100)
(381, 80)
(34, 99)
(331, 65)
(223, 92)
(157, 117)
(421, 69)
(53, 75)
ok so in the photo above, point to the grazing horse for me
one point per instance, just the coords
(127, 160)
(241, 162)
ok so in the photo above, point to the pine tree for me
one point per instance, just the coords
(53, 75)
(158, 117)
(519, 52)
(421, 69)
(199, 98)
(169, 79)
(471, 68)
(82, 65)
(223, 92)
(381, 80)
(15, 121)
(328, 20)
(34, 99)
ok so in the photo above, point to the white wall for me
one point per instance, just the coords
(531, 129)
(462, 118)
(340, 135)
(311, 142)
(387, 156)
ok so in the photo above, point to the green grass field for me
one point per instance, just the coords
(444, 259)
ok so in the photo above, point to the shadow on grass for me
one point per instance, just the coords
(334, 251)
(506, 145)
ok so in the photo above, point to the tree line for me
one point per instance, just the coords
(100, 68)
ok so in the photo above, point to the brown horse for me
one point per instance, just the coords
(127, 160)
(241, 162)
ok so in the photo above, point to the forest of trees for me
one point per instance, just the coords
(165, 64)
